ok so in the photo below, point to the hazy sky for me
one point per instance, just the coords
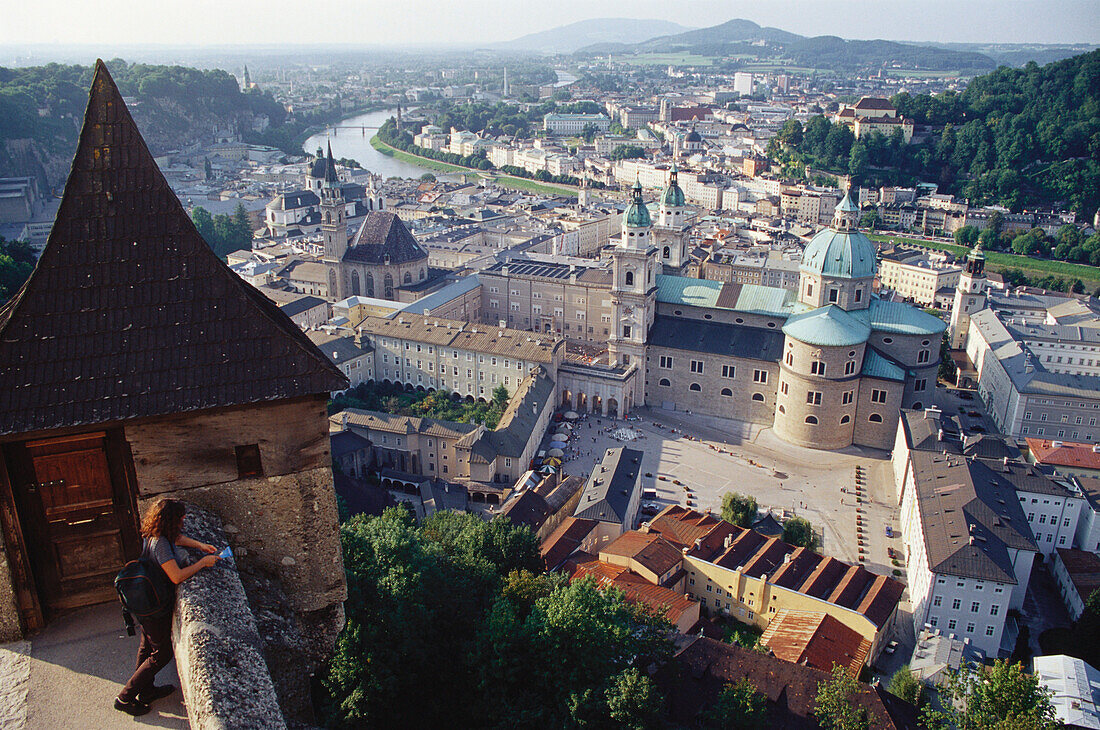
(422, 22)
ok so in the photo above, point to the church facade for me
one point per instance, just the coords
(381, 257)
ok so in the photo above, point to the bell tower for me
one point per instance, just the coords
(670, 235)
(633, 288)
(334, 228)
(970, 296)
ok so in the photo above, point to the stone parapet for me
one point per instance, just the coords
(219, 653)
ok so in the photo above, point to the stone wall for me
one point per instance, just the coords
(219, 653)
(10, 626)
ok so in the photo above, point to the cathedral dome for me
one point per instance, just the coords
(693, 136)
(637, 214)
(841, 251)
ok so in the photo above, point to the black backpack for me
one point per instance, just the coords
(144, 589)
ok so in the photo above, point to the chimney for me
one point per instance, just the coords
(939, 435)
(729, 540)
(344, 420)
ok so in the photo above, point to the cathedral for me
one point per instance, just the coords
(828, 366)
(381, 257)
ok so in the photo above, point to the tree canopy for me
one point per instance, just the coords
(738, 509)
(1001, 697)
(1015, 136)
(460, 605)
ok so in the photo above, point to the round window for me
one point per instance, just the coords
(887, 340)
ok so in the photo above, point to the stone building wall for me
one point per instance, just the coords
(285, 521)
(877, 434)
(835, 419)
(747, 400)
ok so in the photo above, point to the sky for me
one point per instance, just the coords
(477, 22)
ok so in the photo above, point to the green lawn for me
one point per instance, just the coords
(417, 160)
(999, 261)
(520, 183)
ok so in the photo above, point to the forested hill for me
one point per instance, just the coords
(42, 107)
(1017, 137)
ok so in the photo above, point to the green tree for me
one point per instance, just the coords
(904, 685)
(501, 395)
(633, 701)
(869, 219)
(738, 509)
(798, 531)
(857, 159)
(791, 133)
(208, 169)
(427, 177)
(627, 152)
(204, 223)
(16, 264)
(1002, 697)
(834, 706)
(739, 707)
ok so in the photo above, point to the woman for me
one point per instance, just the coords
(161, 530)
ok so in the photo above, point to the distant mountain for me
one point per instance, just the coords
(569, 38)
(741, 37)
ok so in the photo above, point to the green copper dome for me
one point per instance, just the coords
(673, 196)
(637, 215)
(841, 251)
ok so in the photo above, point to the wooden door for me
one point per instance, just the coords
(77, 516)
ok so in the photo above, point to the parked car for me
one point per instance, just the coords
(974, 414)
(977, 429)
(966, 395)
(891, 647)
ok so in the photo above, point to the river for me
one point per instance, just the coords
(355, 145)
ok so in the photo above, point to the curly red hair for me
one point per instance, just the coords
(164, 519)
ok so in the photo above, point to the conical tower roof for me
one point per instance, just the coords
(128, 313)
(331, 178)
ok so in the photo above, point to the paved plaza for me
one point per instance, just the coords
(710, 456)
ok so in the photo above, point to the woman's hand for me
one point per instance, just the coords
(207, 548)
(208, 561)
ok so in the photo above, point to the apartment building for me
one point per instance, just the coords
(468, 359)
(918, 276)
(967, 526)
(574, 123)
(568, 300)
(1023, 396)
(741, 573)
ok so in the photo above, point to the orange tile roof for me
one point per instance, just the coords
(650, 550)
(1068, 453)
(564, 540)
(636, 588)
(815, 640)
(850, 586)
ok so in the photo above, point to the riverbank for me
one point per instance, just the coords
(997, 261)
(508, 181)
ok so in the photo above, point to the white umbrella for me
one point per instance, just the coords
(572, 415)
(556, 452)
(559, 436)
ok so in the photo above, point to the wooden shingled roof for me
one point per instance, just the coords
(129, 314)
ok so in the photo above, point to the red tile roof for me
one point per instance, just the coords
(636, 588)
(815, 640)
(565, 540)
(650, 550)
(128, 313)
(1067, 453)
(735, 548)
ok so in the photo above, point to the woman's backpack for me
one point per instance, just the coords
(145, 591)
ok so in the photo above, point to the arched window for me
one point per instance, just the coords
(664, 382)
(370, 284)
(917, 406)
(875, 418)
(759, 397)
(423, 274)
(695, 386)
(845, 419)
(727, 392)
(812, 420)
(666, 252)
(387, 287)
(408, 278)
(782, 409)
(629, 278)
(355, 283)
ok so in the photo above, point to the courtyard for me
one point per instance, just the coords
(692, 460)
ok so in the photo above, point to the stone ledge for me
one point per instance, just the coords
(219, 654)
